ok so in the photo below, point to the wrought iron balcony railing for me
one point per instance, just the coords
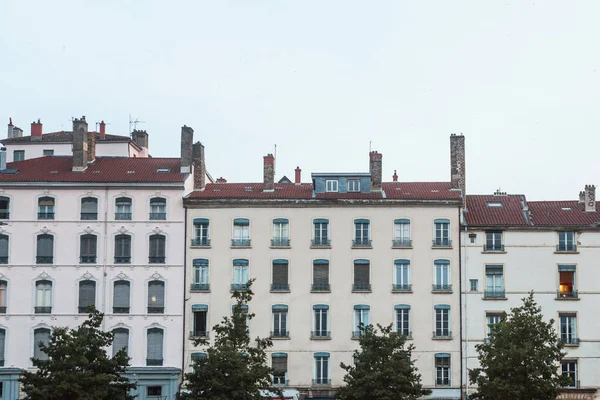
(239, 286)
(279, 333)
(158, 216)
(87, 259)
(202, 287)
(361, 287)
(441, 288)
(46, 215)
(120, 310)
(280, 242)
(320, 287)
(401, 287)
(199, 334)
(122, 259)
(361, 243)
(156, 259)
(280, 287)
(566, 248)
(442, 334)
(321, 242)
(156, 362)
(201, 242)
(494, 294)
(123, 216)
(566, 294)
(494, 247)
(44, 259)
(240, 242)
(43, 309)
(321, 381)
(156, 310)
(87, 216)
(442, 243)
(320, 335)
(402, 243)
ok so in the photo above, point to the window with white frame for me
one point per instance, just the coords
(494, 281)
(402, 319)
(121, 340)
(442, 321)
(87, 249)
(241, 274)
(4, 249)
(123, 208)
(442, 275)
(279, 363)
(200, 274)
(322, 369)
(321, 232)
(361, 319)
(362, 232)
(566, 275)
(18, 155)
(492, 319)
(321, 321)
(569, 369)
(442, 369)
(154, 350)
(241, 232)
(566, 241)
(40, 335)
(354, 185)
(89, 208)
(201, 237)
(122, 249)
(280, 276)
(474, 285)
(158, 208)
(331, 185)
(43, 297)
(281, 232)
(402, 233)
(442, 233)
(402, 275)
(121, 297)
(362, 276)
(157, 249)
(45, 249)
(320, 276)
(46, 208)
(493, 241)
(280, 321)
(568, 328)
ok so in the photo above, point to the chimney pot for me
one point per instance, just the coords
(140, 138)
(187, 143)
(10, 129)
(582, 197)
(395, 176)
(102, 130)
(590, 198)
(269, 172)
(221, 180)
(298, 179)
(36, 130)
(375, 165)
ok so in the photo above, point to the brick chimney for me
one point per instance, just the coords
(91, 140)
(187, 140)
(298, 179)
(10, 129)
(80, 144)
(269, 172)
(36, 130)
(221, 180)
(140, 138)
(395, 176)
(590, 198)
(102, 130)
(457, 163)
(375, 160)
(199, 166)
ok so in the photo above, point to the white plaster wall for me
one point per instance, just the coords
(113, 149)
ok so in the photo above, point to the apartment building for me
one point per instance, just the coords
(79, 230)
(327, 256)
(512, 246)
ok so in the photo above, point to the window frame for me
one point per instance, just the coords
(404, 311)
(442, 316)
(156, 306)
(155, 361)
(126, 347)
(157, 244)
(575, 372)
(332, 186)
(46, 212)
(86, 215)
(241, 233)
(280, 321)
(353, 185)
(21, 154)
(201, 232)
(156, 204)
(442, 226)
(123, 212)
(43, 303)
(36, 344)
(319, 360)
(88, 258)
(82, 309)
(118, 257)
(5, 212)
(3, 295)
(121, 309)
(321, 317)
(5, 258)
(493, 242)
(443, 372)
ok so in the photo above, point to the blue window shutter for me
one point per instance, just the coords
(321, 221)
(402, 221)
(321, 262)
(240, 261)
(197, 356)
(201, 220)
(280, 307)
(276, 262)
(199, 307)
(493, 269)
(320, 307)
(445, 262)
(363, 262)
(401, 307)
(241, 221)
(441, 307)
(321, 354)
(567, 268)
(279, 355)
(400, 262)
(200, 261)
(442, 355)
(442, 221)
(361, 221)
(281, 221)
(362, 307)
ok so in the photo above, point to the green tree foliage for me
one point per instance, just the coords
(78, 367)
(520, 361)
(383, 368)
(236, 367)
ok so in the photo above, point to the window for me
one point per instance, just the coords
(122, 249)
(569, 368)
(320, 276)
(402, 233)
(362, 280)
(123, 208)
(3, 298)
(87, 249)
(494, 282)
(156, 297)
(154, 391)
(402, 276)
(155, 347)
(87, 295)
(48, 152)
(280, 276)
(566, 288)
(322, 369)
(4, 207)
(281, 232)
(279, 365)
(442, 233)
(89, 208)
(46, 208)
(442, 322)
(442, 369)
(442, 276)
(18, 155)
(240, 274)
(43, 297)
(321, 238)
(158, 208)
(201, 232)
(402, 312)
(241, 317)
(121, 341)
(157, 249)
(353, 185)
(45, 249)
(568, 328)
(3, 249)
(474, 284)
(362, 237)
(196, 358)
(241, 232)
(200, 274)
(361, 318)
(121, 296)
(2, 347)
(40, 335)
(331, 186)
(280, 318)
(493, 241)
(200, 323)
(492, 319)
(321, 327)
(566, 241)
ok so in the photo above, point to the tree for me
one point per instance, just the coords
(520, 359)
(234, 369)
(383, 368)
(78, 366)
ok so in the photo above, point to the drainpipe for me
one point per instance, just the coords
(466, 324)
(185, 272)
(105, 259)
(460, 310)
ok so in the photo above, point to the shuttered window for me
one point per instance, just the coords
(279, 362)
(3, 287)
(200, 322)
(121, 297)
(88, 245)
(280, 274)
(122, 249)
(361, 274)
(3, 249)
(2, 346)
(157, 249)
(87, 295)
(40, 335)
(156, 297)
(121, 340)
(45, 248)
(155, 347)
(321, 274)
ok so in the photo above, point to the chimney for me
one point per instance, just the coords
(375, 170)
(140, 138)
(17, 132)
(187, 140)
(269, 172)
(36, 130)
(457, 163)
(91, 145)
(199, 166)
(80, 144)
(102, 130)
(590, 198)
(221, 180)
(2, 158)
(582, 197)
(395, 176)
(10, 129)
(298, 179)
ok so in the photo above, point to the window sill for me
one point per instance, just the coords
(567, 298)
(493, 252)
(279, 337)
(320, 338)
(199, 290)
(280, 291)
(280, 247)
(241, 247)
(402, 247)
(362, 291)
(320, 247)
(441, 247)
(566, 252)
(571, 344)
(199, 246)
(442, 291)
(493, 298)
(442, 338)
(401, 291)
(362, 247)
(321, 291)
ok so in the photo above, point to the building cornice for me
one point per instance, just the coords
(530, 228)
(29, 185)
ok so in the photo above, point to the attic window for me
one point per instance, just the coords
(566, 208)
(54, 172)
(96, 172)
(434, 190)
(131, 172)
(163, 170)
(248, 189)
(491, 204)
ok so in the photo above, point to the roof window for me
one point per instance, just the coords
(163, 170)
(494, 204)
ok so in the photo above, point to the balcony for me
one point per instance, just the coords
(240, 242)
(154, 362)
(442, 334)
(401, 287)
(361, 243)
(566, 295)
(320, 335)
(123, 216)
(3, 310)
(496, 248)
(85, 216)
(158, 216)
(566, 248)
(401, 243)
(280, 334)
(156, 310)
(442, 382)
(120, 310)
(280, 242)
(201, 242)
(321, 242)
(200, 287)
(44, 259)
(43, 309)
(320, 287)
(279, 380)
(46, 215)
(280, 287)
(361, 287)
(321, 382)
(441, 243)
(156, 260)
(240, 287)
(122, 260)
(444, 288)
(570, 341)
(494, 294)
(199, 335)
(87, 259)
(3, 259)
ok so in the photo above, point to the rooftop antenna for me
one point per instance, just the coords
(369, 146)
(275, 155)
(134, 123)
(98, 123)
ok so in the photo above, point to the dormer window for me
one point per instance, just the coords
(331, 185)
(353, 185)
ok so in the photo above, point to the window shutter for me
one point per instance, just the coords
(89, 205)
(123, 246)
(280, 274)
(3, 245)
(321, 274)
(157, 246)
(2, 344)
(155, 344)
(45, 245)
(121, 340)
(156, 294)
(200, 321)
(87, 293)
(279, 363)
(121, 294)
(40, 335)
(88, 245)
(361, 273)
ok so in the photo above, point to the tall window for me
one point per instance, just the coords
(492, 319)
(281, 232)
(362, 281)
(241, 232)
(566, 241)
(3, 298)
(568, 328)
(280, 276)
(320, 276)
(154, 347)
(494, 281)
(18, 155)
(442, 275)
(45, 249)
(240, 274)
(322, 368)
(321, 321)
(442, 233)
(156, 297)
(89, 208)
(280, 318)
(4, 207)
(121, 295)
(279, 365)
(46, 208)
(122, 249)
(201, 237)
(362, 236)
(43, 297)
(567, 287)
(569, 369)
(442, 369)
(2, 347)
(123, 208)
(361, 318)
(402, 233)
(87, 248)
(200, 328)
(3, 249)
(493, 241)
(87, 295)
(121, 341)
(321, 230)
(402, 276)
(403, 319)
(442, 322)
(157, 249)
(158, 208)
(40, 335)
(200, 274)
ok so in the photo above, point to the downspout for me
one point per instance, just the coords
(105, 260)
(460, 289)
(185, 224)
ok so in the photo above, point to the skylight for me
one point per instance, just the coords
(492, 204)
(163, 170)
(566, 208)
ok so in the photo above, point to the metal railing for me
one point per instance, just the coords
(43, 309)
(46, 215)
(123, 216)
(4, 260)
(156, 310)
(44, 259)
(120, 310)
(201, 242)
(3, 310)
(494, 294)
(84, 310)
(361, 287)
(566, 294)
(199, 334)
(320, 335)
(321, 381)
(156, 259)
(442, 334)
(442, 382)
(154, 362)
(280, 287)
(240, 242)
(320, 287)
(570, 341)
(239, 286)
(495, 247)
(402, 243)
(442, 243)
(87, 259)
(280, 242)
(200, 287)
(566, 248)
(402, 287)
(361, 243)
(122, 259)
(357, 334)
(279, 333)
(406, 334)
(158, 216)
(441, 288)
(85, 216)
(4, 215)
(321, 242)
(279, 380)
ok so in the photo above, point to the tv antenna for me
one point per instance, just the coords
(98, 123)
(134, 123)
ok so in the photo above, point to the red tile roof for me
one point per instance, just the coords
(420, 190)
(479, 213)
(563, 213)
(103, 170)
(63, 137)
(253, 191)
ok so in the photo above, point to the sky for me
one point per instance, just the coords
(324, 81)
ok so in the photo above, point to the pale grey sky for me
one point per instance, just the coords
(521, 79)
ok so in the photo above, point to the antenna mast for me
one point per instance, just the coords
(134, 123)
